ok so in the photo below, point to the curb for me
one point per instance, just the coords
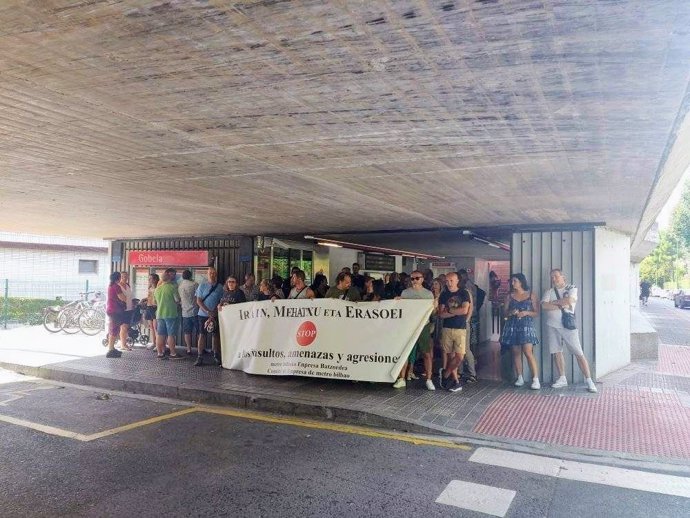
(295, 408)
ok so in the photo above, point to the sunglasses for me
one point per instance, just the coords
(416, 278)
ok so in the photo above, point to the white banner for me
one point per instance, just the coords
(323, 338)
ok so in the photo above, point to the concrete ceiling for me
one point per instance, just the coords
(136, 118)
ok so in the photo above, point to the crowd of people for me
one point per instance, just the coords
(453, 326)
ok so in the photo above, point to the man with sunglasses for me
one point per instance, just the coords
(424, 344)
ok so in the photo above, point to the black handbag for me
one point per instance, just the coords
(567, 318)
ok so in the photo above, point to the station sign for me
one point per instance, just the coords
(168, 258)
(379, 263)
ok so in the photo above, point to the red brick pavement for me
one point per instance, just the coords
(674, 360)
(630, 420)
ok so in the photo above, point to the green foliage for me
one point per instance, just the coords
(24, 310)
(665, 263)
(680, 225)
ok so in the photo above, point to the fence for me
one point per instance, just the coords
(24, 300)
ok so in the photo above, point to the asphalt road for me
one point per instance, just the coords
(70, 451)
(672, 324)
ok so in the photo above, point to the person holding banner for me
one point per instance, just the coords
(424, 343)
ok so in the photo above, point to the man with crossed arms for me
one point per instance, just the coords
(563, 296)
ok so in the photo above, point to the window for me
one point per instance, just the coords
(88, 266)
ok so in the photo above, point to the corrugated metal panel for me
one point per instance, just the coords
(535, 254)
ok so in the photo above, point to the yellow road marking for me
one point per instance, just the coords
(51, 430)
(342, 428)
(139, 424)
(242, 414)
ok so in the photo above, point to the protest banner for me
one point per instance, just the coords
(325, 338)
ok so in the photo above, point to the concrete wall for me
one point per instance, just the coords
(535, 254)
(612, 296)
(634, 284)
(337, 258)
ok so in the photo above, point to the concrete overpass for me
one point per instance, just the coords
(177, 118)
(256, 117)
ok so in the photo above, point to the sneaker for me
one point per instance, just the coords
(176, 357)
(216, 360)
(455, 386)
(113, 353)
(199, 361)
(399, 383)
(519, 382)
(430, 385)
(591, 387)
(535, 384)
(471, 379)
(411, 376)
(560, 383)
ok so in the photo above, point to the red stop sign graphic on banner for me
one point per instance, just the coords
(306, 333)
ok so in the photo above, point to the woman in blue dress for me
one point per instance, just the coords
(519, 333)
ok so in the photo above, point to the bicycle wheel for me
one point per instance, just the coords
(50, 321)
(91, 321)
(69, 321)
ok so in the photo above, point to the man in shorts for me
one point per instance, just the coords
(424, 343)
(167, 298)
(563, 296)
(208, 296)
(454, 306)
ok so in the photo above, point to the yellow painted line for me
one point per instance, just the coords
(241, 414)
(51, 430)
(334, 427)
(138, 424)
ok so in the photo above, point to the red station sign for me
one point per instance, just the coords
(168, 258)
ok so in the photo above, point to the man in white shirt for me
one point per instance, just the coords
(563, 297)
(187, 289)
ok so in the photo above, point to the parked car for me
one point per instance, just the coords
(682, 299)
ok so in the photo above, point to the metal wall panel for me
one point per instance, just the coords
(535, 254)
(224, 251)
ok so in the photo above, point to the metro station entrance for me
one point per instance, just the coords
(486, 258)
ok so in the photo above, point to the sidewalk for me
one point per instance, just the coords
(641, 412)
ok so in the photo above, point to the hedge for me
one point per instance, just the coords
(25, 310)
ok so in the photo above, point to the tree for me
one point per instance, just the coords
(664, 263)
(680, 223)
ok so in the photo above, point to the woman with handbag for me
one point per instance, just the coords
(518, 333)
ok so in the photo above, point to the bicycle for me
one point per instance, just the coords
(92, 320)
(66, 318)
